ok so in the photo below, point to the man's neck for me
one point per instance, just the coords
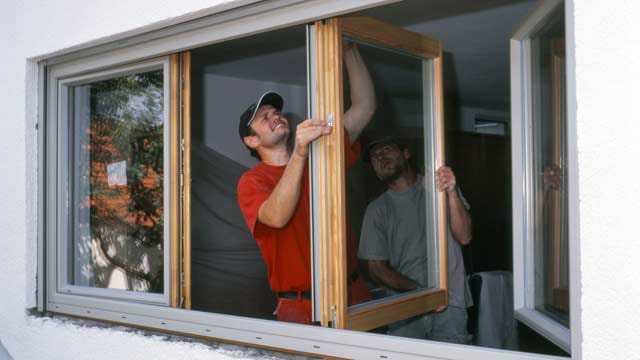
(404, 182)
(276, 156)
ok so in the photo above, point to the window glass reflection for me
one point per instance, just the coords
(391, 198)
(229, 273)
(550, 183)
(118, 154)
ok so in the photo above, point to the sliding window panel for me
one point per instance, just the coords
(405, 69)
(114, 130)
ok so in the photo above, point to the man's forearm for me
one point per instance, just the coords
(459, 219)
(385, 275)
(280, 206)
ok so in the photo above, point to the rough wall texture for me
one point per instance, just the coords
(608, 122)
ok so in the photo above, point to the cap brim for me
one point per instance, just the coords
(269, 98)
(392, 139)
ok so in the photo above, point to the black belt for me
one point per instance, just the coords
(306, 295)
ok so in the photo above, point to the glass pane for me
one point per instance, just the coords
(390, 191)
(550, 183)
(235, 270)
(118, 172)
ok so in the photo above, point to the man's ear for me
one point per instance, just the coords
(251, 141)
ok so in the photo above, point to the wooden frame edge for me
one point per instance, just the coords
(186, 176)
(332, 231)
(368, 318)
(380, 33)
(174, 180)
(441, 199)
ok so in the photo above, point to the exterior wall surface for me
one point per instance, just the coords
(607, 74)
(606, 77)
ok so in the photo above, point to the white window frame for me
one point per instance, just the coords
(228, 21)
(522, 180)
(58, 251)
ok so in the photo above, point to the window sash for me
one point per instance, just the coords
(61, 188)
(523, 172)
(329, 205)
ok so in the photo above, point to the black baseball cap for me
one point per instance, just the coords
(382, 140)
(269, 98)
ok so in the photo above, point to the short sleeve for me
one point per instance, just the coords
(253, 191)
(373, 243)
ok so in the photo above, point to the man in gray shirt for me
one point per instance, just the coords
(393, 241)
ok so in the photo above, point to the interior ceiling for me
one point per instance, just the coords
(475, 37)
(278, 56)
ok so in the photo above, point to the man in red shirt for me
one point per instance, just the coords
(274, 195)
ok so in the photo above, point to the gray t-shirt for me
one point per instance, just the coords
(394, 230)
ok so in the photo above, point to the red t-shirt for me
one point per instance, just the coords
(286, 251)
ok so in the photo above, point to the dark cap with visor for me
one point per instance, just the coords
(382, 140)
(268, 98)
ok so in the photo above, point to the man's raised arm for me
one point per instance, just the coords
(363, 99)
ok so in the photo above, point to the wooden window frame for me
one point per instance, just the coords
(330, 175)
(180, 174)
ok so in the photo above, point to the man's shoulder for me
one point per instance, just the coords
(378, 204)
(257, 168)
(259, 174)
(260, 170)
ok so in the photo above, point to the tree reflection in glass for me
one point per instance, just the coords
(118, 162)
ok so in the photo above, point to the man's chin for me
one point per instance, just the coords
(281, 125)
(388, 177)
(281, 130)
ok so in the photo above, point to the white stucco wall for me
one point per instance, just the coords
(608, 128)
(607, 89)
